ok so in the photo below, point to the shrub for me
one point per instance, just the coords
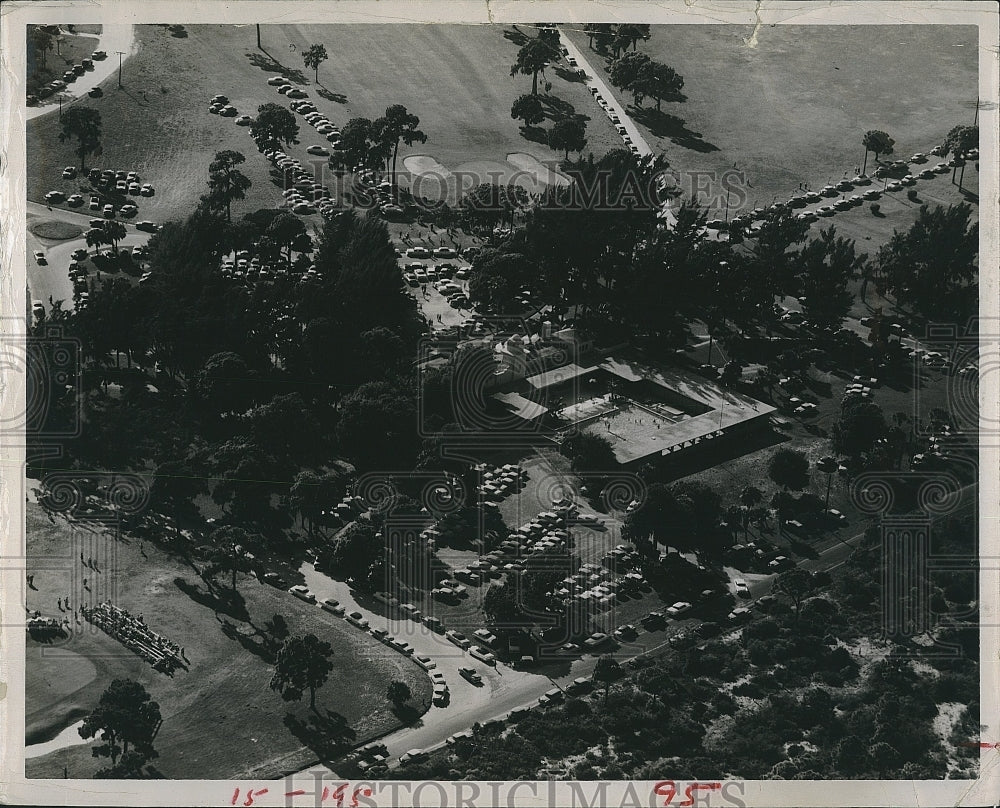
(912, 194)
(875, 207)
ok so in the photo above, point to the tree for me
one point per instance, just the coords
(528, 108)
(827, 265)
(796, 584)
(933, 266)
(861, 425)
(302, 663)
(568, 135)
(588, 452)
(225, 181)
(878, 142)
(397, 125)
(225, 383)
(40, 43)
(789, 469)
(84, 124)
(313, 57)
(960, 140)
(273, 126)
(95, 238)
(128, 720)
(625, 71)
(490, 204)
(233, 548)
(175, 485)
(606, 670)
(828, 466)
(532, 59)
(658, 81)
(500, 605)
(113, 233)
(398, 693)
(750, 497)
(288, 231)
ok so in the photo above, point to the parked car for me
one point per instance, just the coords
(470, 675)
(482, 655)
(458, 639)
(302, 593)
(679, 608)
(332, 606)
(742, 588)
(357, 619)
(40, 258)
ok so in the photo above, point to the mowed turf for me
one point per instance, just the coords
(455, 78)
(220, 717)
(795, 107)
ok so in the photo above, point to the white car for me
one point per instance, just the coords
(418, 252)
(482, 655)
(332, 606)
(40, 257)
(320, 151)
(678, 608)
(425, 662)
(277, 81)
(302, 593)
(244, 120)
(742, 588)
(358, 620)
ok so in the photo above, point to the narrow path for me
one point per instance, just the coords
(594, 79)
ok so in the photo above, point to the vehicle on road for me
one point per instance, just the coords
(679, 608)
(40, 258)
(55, 197)
(470, 675)
(742, 588)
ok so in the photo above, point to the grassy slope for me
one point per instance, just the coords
(71, 50)
(795, 107)
(221, 719)
(455, 78)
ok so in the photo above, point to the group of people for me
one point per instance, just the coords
(133, 633)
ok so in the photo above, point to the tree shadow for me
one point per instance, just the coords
(516, 36)
(258, 643)
(556, 109)
(177, 31)
(406, 713)
(567, 74)
(336, 98)
(972, 196)
(800, 548)
(272, 65)
(663, 124)
(536, 134)
(226, 602)
(329, 735)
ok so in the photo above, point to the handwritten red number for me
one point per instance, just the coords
(667, 789)
(338, 794)
(689, 791)
(366, 792)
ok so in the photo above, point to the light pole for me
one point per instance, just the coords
(120, 55)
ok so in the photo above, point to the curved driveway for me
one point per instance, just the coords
(113, 38)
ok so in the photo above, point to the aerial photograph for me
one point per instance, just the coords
(492, 402)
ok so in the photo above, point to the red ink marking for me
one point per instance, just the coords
(236, 796)
(980, 744)
(688, 792)
(666, 788)
(297, 793)
(365, 792)
(338, 794)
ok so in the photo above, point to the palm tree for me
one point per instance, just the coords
(878, 142)
(828, 466)
(113, 233)
(532, 59)
(750, 497)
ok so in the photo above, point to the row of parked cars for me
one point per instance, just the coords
(68, 77)
(753, 219)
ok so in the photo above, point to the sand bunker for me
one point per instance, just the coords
(541, 173)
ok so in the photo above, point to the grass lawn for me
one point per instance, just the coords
(794, 108)
(54, 230)
(455, 78)
(221, 719)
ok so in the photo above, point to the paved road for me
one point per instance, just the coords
(113, 38)
(594, 79)
(51, 279)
